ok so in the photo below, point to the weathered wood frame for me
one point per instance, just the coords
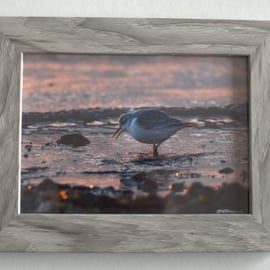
(134, 233)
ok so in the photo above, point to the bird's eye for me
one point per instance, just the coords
(122, 119)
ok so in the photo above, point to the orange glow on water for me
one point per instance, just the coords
(63, 195)
(201, 198)
(76, 194)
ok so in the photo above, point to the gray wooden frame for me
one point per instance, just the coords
(134, 233)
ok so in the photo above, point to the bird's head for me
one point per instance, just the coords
(124, 121)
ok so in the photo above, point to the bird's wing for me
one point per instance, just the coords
(150, 119)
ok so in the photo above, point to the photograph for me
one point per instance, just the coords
(135, 134)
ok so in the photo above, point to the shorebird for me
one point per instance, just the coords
(150, 126)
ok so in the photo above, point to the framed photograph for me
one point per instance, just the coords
(184, 147)
(131, 135)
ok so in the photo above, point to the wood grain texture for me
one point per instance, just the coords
(9, 130)
(135, 233)
(116, 35)
(260, 131)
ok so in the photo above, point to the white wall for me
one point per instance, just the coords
(199, 261)
(227, 9)
(211, 9)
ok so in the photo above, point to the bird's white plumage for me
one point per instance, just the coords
(150, 126)
(153, 135)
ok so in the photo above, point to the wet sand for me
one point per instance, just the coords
(212, 155)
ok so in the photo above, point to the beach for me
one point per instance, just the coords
(202, 169)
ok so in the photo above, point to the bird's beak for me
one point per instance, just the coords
(190, 124)
(118, 132)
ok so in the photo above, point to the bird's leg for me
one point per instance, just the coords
(155, 150)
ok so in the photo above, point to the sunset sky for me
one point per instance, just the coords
(64, 82)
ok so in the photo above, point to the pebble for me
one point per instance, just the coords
(148, 186)
(226, 170)
(28, 147)
(74, 140)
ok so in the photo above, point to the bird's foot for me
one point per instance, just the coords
(155, 150)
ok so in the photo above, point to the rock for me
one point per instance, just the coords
(85, 200)
(29, 199)
(233, 196)
(51, 197)
(96, 190)
(128, 182)
(140, 177)
(48, 185)
(28, 147)
(195, 175)
(196, 189)
(127, 194)
(48, 144)
(108, 191)
(145, 183)
(149, 186)
(226, 170)
(150, 204)
(178, 187)
(201, 193)
(74, 140)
